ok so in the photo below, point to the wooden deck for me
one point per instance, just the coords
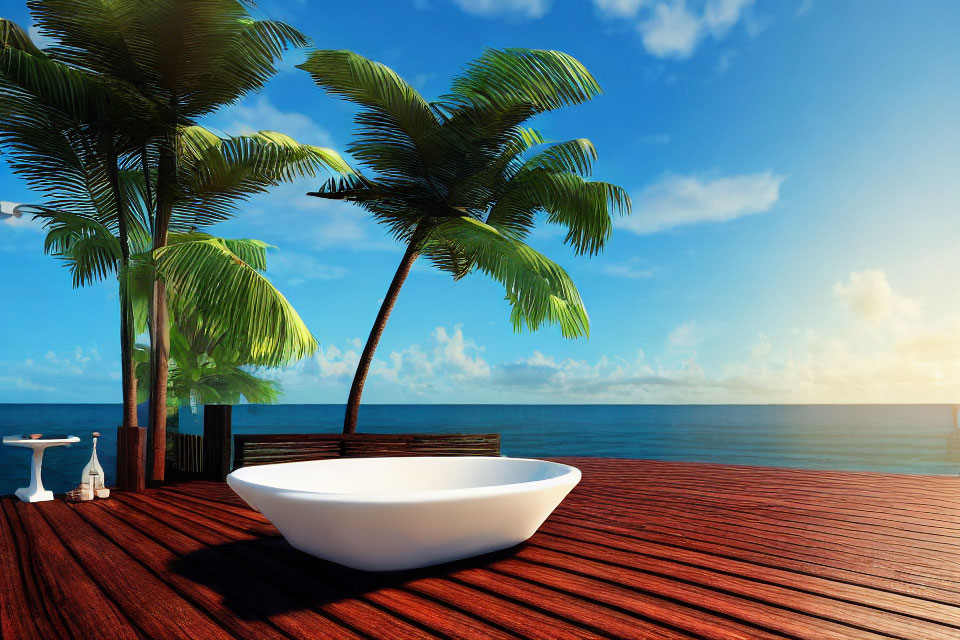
(639, 550)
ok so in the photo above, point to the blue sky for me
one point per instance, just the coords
(793, 167)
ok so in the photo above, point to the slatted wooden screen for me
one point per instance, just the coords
(187, 453)
(288, 447)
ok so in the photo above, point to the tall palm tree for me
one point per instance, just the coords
(462, 181)
(55, 123)
(64, 129)
(210, 365)
(187, 58)
(211, 278)
(199, 376)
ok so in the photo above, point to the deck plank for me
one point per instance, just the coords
(64, 590)
(724, 548)
(157, 609)
(641, 549)
(23, 611)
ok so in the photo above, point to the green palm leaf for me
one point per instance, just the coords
(574, 156)
(12, 36)
(260, 318)
(395, 121)
(218, 173)
(87, 248)
(463, 180)
(582, 206)
(546, 80)
(539, 291)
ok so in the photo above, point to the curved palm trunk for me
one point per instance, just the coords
(159, 375)
(129, 380)
(130, 440)
(159, 321)
(363, 367)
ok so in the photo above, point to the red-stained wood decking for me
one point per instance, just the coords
(639, 550)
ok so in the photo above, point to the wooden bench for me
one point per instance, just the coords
(253, 449)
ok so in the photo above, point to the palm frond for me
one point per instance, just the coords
(582, 206)
(245, 58)
(14, 37)
(251, 252)
(538, 289)
(242, 304)
(395, 120)
(573, 156)
(60, 86)
(218, 173)
(505, 77)
(87, 248)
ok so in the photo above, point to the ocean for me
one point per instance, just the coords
(889, 438)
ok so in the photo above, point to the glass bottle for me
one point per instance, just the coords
(93, 466)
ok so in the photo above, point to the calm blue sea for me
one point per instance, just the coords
(890, 438)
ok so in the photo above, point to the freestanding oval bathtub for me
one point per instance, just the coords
(386, 514)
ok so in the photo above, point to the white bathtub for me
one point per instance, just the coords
(385, 514)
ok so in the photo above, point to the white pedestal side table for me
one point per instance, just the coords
(35, 492)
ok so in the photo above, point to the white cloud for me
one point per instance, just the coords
(869, 297)
(23, 384)
(454, 349)
(677, 200)
(619, 8)
(76, 364)
(86, 373)
(674, 29)
(911, 360)
(258, 113)
(452, 360)
(671, 31)
(521, 8)
(448, 360)
(332, 363)
(720, 15)
(904, 358)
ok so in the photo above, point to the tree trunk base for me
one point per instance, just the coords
(131, 458)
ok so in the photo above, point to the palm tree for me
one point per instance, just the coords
(210, 366)
(187, 59)
(56, 127)
(63, 129)
(461, 180)
(206, 377)
(215, 279)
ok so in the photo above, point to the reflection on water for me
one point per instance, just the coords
(890, 438)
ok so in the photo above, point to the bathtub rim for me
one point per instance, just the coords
(569, 477)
